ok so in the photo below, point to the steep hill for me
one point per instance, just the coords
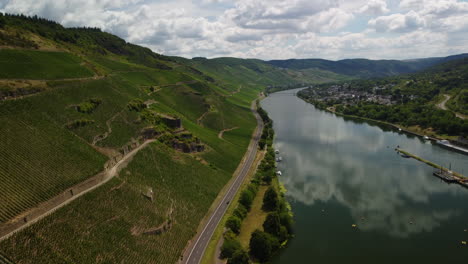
(73, 103)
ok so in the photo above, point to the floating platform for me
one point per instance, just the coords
(445, 176)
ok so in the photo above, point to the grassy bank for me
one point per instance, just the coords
(414, 130)
(261, 222)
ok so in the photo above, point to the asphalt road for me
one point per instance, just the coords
(197, 249)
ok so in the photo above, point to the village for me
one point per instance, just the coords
(348, 95)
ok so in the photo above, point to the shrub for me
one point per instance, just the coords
(246, 199)
(262, 245)
(240, 211)
(136, 105)
(272, 224)
(79, 123)
(234, 223)
(239, 257)
(89, 106)
(229, 246)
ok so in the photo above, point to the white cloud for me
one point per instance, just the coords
(374, 7)
(269, 29)
(398, 22)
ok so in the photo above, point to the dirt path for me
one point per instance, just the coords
(442, 106)
(109, 129)
(237, 91)
(220, 134)
(44, 209)
(203, 116)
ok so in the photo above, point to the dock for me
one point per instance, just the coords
(445, 176)
(440, 172)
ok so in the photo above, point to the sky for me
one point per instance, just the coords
(270, 29)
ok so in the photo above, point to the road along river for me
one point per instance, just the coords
(355, 200)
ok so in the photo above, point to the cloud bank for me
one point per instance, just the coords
(273, 29)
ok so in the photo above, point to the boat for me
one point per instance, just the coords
(447, 144)
(279, 173)
(403, 155)
(279, 159)
(277, 151)
(443, 142)
(426, 137)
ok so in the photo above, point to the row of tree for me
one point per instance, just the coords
(277, 228)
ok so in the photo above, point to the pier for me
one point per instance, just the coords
(440, 172)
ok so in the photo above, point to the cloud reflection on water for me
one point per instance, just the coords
(329, 159)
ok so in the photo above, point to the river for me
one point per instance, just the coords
(341, 172)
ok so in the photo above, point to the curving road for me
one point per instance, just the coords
(442, 106)
(195, 251)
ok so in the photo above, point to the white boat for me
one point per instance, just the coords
(443, 142)
(279, 173)
(279, 159)
(277, 151)
(426, 137)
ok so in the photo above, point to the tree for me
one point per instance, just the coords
(240, 211)
(270, 200)
(272, 224)
(239, 257)
(230, 245)
(234, 223)
(262, 245)
(246, 198)
(286, 221)
(267, 178)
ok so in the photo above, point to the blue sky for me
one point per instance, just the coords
(271, 29)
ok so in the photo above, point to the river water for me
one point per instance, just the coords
(341, 172)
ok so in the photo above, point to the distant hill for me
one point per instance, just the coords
(364, 68)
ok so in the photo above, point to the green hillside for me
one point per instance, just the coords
(76, 100)
(29, 64)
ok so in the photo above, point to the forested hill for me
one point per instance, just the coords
(433, 101)
(364, 68)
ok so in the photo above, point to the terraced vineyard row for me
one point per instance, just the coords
(113, 218)
(4, 260)
(55, 159)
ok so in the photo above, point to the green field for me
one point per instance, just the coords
(41, 65)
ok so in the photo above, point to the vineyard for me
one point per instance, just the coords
(54, 137)
(4, 260)
(28, 64)
(112, 219)
(39, 159)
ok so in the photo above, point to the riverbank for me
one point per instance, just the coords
(259, 221)
(427, 134)
(341, 172)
